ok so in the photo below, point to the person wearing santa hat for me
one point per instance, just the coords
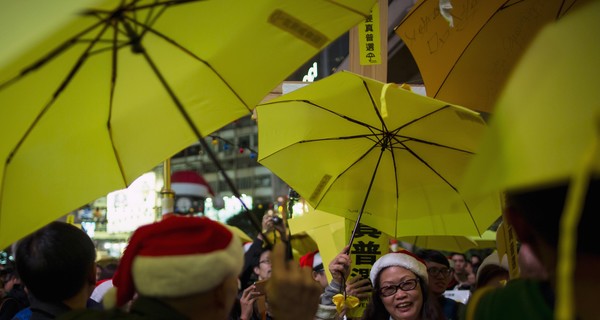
(187, 268)
(191, 190)
(314, 261)
(401, 290)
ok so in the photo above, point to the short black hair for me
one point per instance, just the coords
(55, 261)
(433, 256)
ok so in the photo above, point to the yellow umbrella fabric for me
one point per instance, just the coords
(487, 240)
(123, 85)
(546, 117)
(331, 142)
(545, 128)
(327, 230)
(443, 243)
(239, 233)
(468, 64)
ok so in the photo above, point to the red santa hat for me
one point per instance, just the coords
(177, 257)
(402, 258)
(312, 260)
(189, 182)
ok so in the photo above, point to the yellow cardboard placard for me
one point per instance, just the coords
(369, 39)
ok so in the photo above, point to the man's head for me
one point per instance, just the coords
(180, 257)
(535, 216)
(475, 260)
(262, 269)
(460, 261)
(314, 261)
(493, 271)
(438, 269)
(8, 278)
(56, 262)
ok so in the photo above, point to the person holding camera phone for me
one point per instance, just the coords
(257, 270)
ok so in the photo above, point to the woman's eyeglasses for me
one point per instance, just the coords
(437, 271)
(406, 285)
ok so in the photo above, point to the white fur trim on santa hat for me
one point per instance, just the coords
(181, 275)
(100, 290)
(400, 259)
(190, 189)
(317, 260)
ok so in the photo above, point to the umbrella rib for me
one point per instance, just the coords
(422, 117)
(113, 83)
(349, 167)
(203, 143)
(327, 110)
(447, 182)
(437, 91)
(395, 131)
(562, 5)
(182, 48)
(51, 55)
(55, 96)
(396, 138)
(397, 185)
(472, 218)
(359, 136)
(362, 208)
(414, 154)
(374, 105)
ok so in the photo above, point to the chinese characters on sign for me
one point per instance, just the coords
(368, 39)
(369, 244)
(365, 250)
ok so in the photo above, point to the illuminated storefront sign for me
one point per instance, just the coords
(135, 206)
(232, 206)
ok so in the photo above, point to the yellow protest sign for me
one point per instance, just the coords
(368, 39)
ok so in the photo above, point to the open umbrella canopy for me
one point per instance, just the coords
(546, 131)
(123, 85)
(547, 118)
(398, 162)
(469, 62)
(487, 240)
(444, 243)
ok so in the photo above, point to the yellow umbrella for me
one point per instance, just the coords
(239, 233)
(327, 230)
(444, 243)
(469, 63)
(545, 128)
(123, 85)
(487, 240)
(398, 162)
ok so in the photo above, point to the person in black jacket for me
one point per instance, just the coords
(57, 264)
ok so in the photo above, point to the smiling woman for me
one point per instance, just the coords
(400, 290)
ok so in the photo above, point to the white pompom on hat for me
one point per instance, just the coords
(177, 257)
(402, 258)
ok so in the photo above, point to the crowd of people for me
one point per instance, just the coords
(166, 266)
(195, 268)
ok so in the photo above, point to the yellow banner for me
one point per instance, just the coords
(369, 245)
(506, 241)
(369, 39)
